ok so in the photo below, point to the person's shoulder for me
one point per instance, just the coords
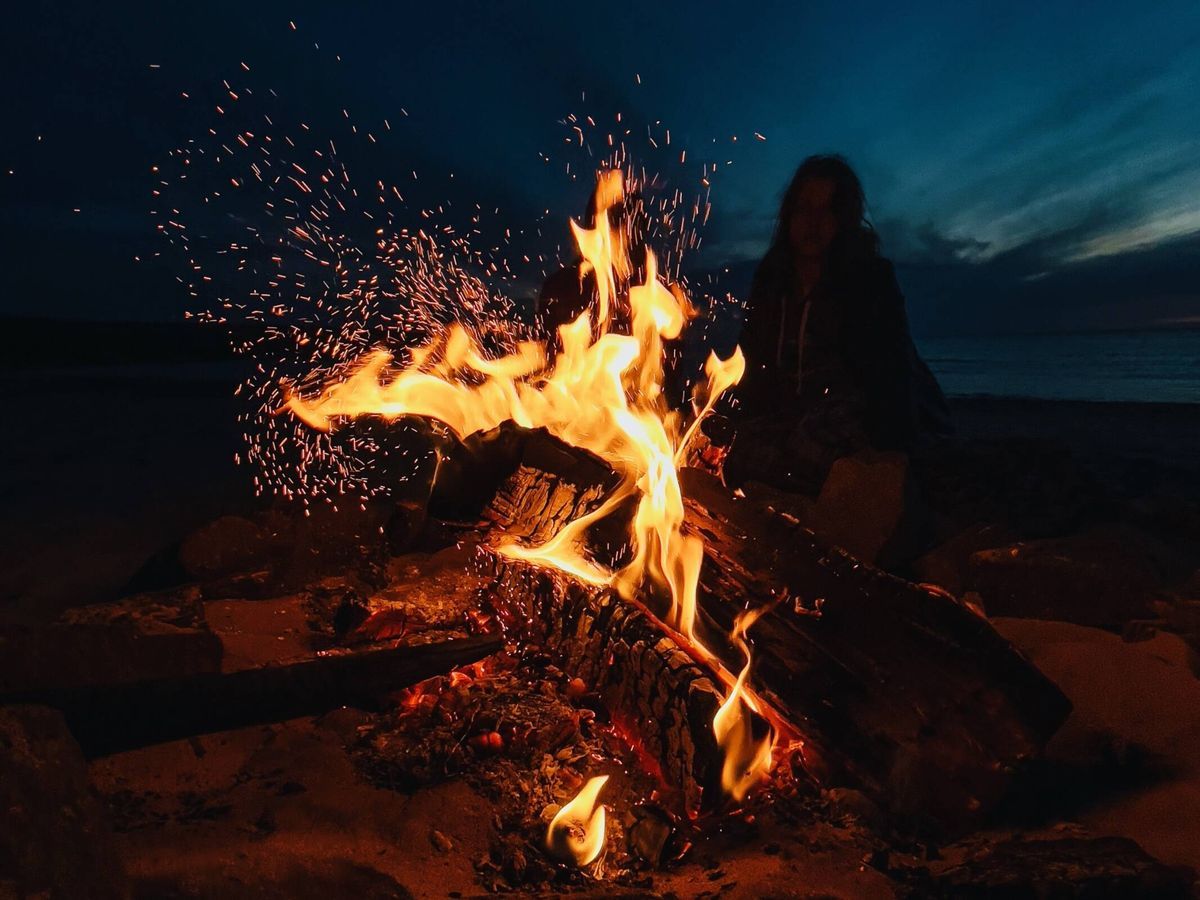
(878, 270)
(879, 280)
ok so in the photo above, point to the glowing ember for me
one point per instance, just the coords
(602, 393)
(576, 833)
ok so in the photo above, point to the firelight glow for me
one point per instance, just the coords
(602, 393)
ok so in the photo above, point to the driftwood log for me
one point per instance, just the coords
(116, 717)
(661, 698)
(904, 694)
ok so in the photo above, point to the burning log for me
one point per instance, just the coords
(112, 718)
(893, 689)
(650, 684)
(656, 692)
(905, 694)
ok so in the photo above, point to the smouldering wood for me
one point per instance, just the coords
(904, 694)
(110, 719)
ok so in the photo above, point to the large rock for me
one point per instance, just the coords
(1101, 580)
(946, 565)
(867, 507)
(283, 548)
(55, 840)
(1136, 723)
(227, 545)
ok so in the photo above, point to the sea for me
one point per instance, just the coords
(1160, 366)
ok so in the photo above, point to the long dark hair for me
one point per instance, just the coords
(856, 239)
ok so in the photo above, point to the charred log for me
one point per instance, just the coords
(905, 694)
(109, 719)
(644, 677)
(657, 694)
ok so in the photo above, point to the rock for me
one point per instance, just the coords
(1097, 580)
(224, 546)
(946, 565)
(867, 507)
(1102, 867)
(55, 840)
(1170, 648)
(847, 802)
(347, 536)
(651, 830)
(1136, 719)
(154, 635)
(440, 842)
(404, 526)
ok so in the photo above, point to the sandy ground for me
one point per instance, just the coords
(1120, 439)
(282, 810)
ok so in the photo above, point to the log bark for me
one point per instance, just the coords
(662, 701)
(904, 694)
(656, 692)
(109, 719)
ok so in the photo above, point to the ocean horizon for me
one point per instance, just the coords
(1160, 366)
(1136, 366)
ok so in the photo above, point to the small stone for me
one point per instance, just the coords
(440, 842)
(649, 834)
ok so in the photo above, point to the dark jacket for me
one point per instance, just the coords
(857, 358)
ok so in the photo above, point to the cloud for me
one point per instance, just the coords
(1014, 292)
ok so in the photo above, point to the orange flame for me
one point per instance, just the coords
(602, 393)
(576, 833)
(746, 760)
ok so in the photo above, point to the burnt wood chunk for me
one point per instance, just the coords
(661, 699)
(902, 693)
(111, 718)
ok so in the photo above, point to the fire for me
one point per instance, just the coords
(576, 833)
(746, 760)
(603, 392)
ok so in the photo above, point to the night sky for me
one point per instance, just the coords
(1029, 166)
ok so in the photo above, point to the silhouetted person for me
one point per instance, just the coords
(831, 366)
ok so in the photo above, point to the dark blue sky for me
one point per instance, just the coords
(1029, 165)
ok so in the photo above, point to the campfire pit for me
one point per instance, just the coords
(685, 659)
(901, 692)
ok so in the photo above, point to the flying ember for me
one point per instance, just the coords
(602, 391)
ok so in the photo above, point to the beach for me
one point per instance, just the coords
(86, 504)
(1117, 439)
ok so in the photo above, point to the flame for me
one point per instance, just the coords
(602, 392)
(746, 760)
(576, 832)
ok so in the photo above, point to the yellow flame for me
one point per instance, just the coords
(576, 833)
(603, 393)
(746, 760)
